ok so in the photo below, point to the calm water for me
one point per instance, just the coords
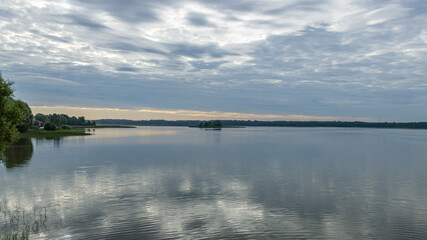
(249, 183)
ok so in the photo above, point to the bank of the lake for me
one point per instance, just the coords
(76, 131)
(38, 133)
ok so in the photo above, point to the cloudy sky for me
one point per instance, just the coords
(184, 59)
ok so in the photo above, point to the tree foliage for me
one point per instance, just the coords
(28, 118)
(61, 119)
(12, 114)
(49, 126)
(41, 118)
(211, 124)
(66, 127)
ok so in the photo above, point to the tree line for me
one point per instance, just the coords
(16, 117)
(210, 124)
(61, 119)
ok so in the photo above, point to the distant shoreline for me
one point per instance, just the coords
(243, 123)
(103, 126)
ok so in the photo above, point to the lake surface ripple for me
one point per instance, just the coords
(249, 183)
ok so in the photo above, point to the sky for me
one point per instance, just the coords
(183, 59)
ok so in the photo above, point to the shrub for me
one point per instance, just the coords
(49, 126)
(66, 127)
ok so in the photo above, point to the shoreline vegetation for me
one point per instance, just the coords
(41, 133)
(213, 124)
(15, 115)
(255, 123)
(17, 223)
(74, 131)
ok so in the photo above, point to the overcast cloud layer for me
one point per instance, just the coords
(324, 58)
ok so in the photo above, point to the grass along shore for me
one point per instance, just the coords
(56, 133)
(78, 130)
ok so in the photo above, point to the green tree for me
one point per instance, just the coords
(216, 123)
(49, 126)
(82, 121)
(11, 114)
(211, 124)
(41, 118)
(28, 120)
(74, 121)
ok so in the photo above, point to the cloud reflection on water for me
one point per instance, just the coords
(283, 186)
(132, 132)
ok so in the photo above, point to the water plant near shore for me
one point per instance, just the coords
(17, 223)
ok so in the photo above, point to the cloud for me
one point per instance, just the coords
(55, 38)
(85, 22)
(206, 65)
(281, 58)
(131, 11)
(199, 51)
(131, 47)
(6, 14)
(49, 80)
(302, 6)
(127, 69)
(199, 20)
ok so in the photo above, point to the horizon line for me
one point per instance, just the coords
(97, 113)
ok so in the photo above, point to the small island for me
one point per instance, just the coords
(215, 124)
(211, 124)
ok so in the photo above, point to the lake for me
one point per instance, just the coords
(236, 183)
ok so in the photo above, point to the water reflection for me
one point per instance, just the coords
(18, 154)
(133, 132)
(160, 202)
(233, 184)
(55, 141)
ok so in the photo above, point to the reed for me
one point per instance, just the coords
(18, 224)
